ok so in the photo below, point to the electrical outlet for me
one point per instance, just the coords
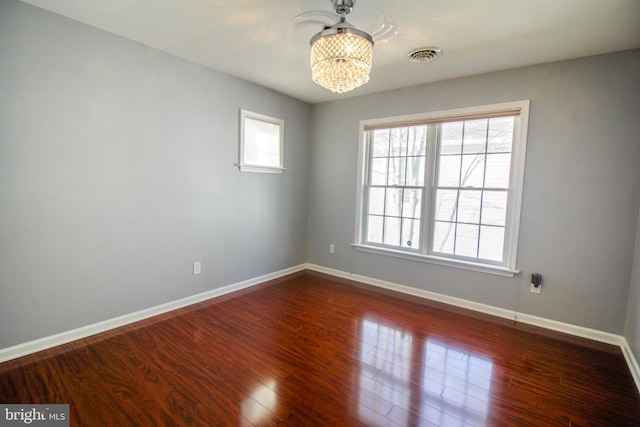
(332, 248)
(197, 267)
(536, 289)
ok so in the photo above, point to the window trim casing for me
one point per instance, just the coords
(248, 167)
(516, 186)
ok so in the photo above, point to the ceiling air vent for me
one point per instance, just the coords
(424, 54)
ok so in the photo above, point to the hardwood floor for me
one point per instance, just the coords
(312, 350)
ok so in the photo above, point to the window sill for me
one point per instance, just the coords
(464, 265)
(260, 169)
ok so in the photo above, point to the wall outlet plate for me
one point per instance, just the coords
(197, 267)
(536, 290)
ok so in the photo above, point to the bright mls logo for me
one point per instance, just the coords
(37, 415)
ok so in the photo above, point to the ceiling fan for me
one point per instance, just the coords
(341, 54)
(381, 31)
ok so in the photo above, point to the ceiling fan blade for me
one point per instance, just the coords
(322, 17)
(385, 33)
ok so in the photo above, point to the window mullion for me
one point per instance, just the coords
(404, 186)
(386, 192)
(369, 179)
(484, 182)
(429, 194)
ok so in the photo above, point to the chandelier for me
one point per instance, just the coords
(341, 55)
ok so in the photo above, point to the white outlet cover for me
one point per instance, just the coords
(197, 267)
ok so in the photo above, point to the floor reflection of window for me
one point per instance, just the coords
(437, 385)
(385, 356)
(262, 402)
(467, 385)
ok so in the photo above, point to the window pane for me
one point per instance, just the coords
(417, 141)
(494, 208)
(469, 206)
(393, 169)
(374, 229)
(261, 143)
(467, 240)
(475, 136)
(392, 231)
(498, 169)
(376, 201)
(399, 138)
(415, 171)
(393, 203)
(451, 138)
(446, 205)
(472, 171)
(379, 171)
(491, 243)
(411, 233)
(381, 143)
(412, 203)
(449, 171)
(500, 135)
(443, 237)
(397, 170)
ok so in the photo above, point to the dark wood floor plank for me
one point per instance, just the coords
(312, 349)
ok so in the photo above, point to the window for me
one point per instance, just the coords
(261, 142)
(444, 187)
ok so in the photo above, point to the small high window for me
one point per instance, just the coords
(261, 143)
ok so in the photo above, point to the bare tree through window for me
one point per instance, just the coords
(397, 190)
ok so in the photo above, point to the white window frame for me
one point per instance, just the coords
(243, 164)
(516, 182)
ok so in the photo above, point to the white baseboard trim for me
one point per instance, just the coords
(632, 363)
(541, 322)
(458, 302)
(567, 328)
(45, 343)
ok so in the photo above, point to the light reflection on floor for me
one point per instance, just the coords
(262, 402)
(454, 386)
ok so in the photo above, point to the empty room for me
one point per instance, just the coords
(320, 213)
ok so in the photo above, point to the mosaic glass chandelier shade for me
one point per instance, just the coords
(341, 57)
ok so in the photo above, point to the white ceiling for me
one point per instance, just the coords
(258, 41)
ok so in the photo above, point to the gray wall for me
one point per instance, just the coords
(117, 172)
(580, 200)
(632, 327)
